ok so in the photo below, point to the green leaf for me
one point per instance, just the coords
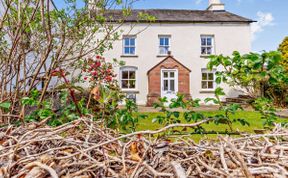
(218, 80)
(243, 122)
(26, 101)
(5, 105)
(215, 101)
(176, 114)
(45, 113)
(219, 92)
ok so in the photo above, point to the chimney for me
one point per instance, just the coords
(93, 5)
(216, 5)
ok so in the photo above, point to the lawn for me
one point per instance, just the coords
(254, 119)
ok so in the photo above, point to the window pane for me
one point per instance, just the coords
(203, 50)
(126, 50)
(210, 85)
(209, 50)
(203, 41)
(172, 85)
(210, 76)
(124, 84)
(165, 85)
(132, 50)
(204, 76)
(132, 75)
(126, 41)
(172, 74)
(166, 41)
(161, 50)
(204, 85)
(164, 50)
(161, 41)
(209, 41)
(132, 84)
(165, 74)
(124, 74)
(132, 41)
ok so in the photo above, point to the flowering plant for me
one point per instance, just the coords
(104, 88)
(98, 71)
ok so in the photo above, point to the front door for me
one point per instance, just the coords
(169, 83)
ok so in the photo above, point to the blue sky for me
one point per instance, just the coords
(272, 16)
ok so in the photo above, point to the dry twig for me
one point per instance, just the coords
(83, 149)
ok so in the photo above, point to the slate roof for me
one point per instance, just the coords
(183, 16)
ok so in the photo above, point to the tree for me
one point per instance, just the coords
(259, 75)
(283, 48)
(37, 38)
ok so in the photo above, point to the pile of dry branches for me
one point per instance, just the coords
(83, 149)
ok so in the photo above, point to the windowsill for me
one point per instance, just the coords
(207, 91)
(126, 55)
(162, 55)
(130, 91)
(205, 55)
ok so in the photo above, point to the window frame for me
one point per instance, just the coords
(206, 46)
(206, 71)
(129, 46)
(129, 69)
(163, 46)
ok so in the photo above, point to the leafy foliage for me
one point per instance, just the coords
(228, 110)
(106, 106)
(258, 74)
(128, 116)
(266, 108)
(283, 48)
(5, 105)
(263, 77)
(66, 111)
(172, 116)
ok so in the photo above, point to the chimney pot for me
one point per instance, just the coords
(216, 5)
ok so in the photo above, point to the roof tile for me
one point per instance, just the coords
(173, 15)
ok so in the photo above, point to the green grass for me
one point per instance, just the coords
(254, 119)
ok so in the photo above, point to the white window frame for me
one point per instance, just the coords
(161, 46)
(128, 68)
(206, 45)
(204, 70)
(129, 46)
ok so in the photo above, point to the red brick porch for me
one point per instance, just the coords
(154, 79)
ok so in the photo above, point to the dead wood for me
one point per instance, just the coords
(83, 149)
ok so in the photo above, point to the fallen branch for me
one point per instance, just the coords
(83, 149)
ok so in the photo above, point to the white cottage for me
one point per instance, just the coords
(169, 56)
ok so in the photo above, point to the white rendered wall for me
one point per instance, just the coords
(185, 47)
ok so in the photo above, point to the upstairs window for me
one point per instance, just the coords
(207, 82)
(129, 45)
(207, 45)
(128, 77)
(164, 44)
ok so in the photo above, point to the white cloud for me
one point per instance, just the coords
(198, 1)
(263, 20)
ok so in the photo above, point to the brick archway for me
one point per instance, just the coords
(154, 79)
